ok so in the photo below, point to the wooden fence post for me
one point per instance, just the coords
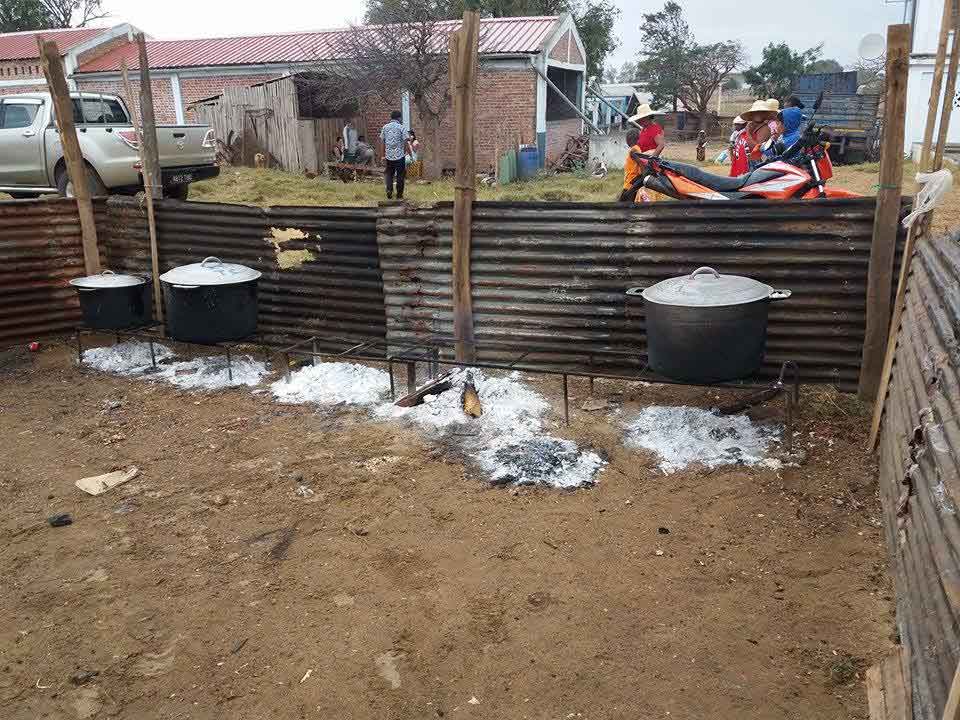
(887, 218)
(150, 153)
(463, 80)
(76, 170)
(151, 217)
(945, 25)
(919, 226)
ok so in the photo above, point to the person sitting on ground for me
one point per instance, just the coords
(364, 152)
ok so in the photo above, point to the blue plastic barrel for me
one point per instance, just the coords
(528, 161)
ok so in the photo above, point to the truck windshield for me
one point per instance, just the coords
(17, 115)
(98, 111)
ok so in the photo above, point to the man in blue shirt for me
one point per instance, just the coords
(394, 144)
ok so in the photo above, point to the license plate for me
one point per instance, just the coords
(181, 179)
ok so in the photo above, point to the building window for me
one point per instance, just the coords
(569, 83)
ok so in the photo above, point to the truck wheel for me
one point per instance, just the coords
(65, 185)
(177, 192)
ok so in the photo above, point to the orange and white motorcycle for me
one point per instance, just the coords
(800, 171)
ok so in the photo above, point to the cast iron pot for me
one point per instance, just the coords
(210, 301)
(114, 302)
(706, 327)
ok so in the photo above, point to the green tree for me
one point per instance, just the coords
(627, 72)
(731, 83)
(706, 68)
(17, 15)
(823, 66)
(594, 18)
(666, 40)
(779, 69)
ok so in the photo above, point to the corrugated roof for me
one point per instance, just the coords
(23, 45)
(497, 36)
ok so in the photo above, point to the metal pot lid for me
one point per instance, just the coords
(211, 271)
(705, 287)
(108, 279)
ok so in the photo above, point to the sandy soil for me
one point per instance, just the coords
(404, 586)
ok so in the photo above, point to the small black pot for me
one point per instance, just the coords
(210, 302)
(114, 302)
(707, 327)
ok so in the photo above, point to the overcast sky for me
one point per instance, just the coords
(840, 24)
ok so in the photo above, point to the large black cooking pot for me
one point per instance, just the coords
(706, 327)
(109, 301)
(210, 301)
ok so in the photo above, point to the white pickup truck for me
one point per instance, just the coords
(31, 155)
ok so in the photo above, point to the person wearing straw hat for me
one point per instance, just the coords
(651, 134)
(757, 131)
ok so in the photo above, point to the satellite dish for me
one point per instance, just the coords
(872, 47)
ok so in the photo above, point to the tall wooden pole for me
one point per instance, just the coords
(463, 80)
(76, 170)
(916, 230)
(151, 217)
(886, 221)
(149, 152)
(946, 23)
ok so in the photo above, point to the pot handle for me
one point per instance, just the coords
(636, 292)
(703, 271)
(108, 272)
(211, 261)
(780, 294)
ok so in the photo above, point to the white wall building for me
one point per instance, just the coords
(926, 16)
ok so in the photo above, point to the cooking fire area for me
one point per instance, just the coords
(297, 536)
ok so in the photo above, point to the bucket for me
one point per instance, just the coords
(528, 161)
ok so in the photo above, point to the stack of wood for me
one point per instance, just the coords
(575, 156)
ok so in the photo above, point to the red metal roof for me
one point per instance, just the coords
(497, 36)
(23, 45)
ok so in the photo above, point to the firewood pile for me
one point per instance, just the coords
(574, 156)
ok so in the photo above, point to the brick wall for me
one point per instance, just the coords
(13, 69)
(504, 116)
(163, 109)
(561, 50)
(558, 132)
(575, 55)
(17, 89)
(191, 89)
(101, 50)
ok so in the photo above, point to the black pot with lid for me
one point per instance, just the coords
(707, 327)
(210, 301)
(114, 301)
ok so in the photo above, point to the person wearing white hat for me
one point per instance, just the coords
(738, 147)
(757, 132)
(651, 134)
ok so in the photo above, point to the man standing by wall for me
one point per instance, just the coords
(394, 143)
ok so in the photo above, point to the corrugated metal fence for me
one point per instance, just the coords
(40, 253)
(320, 265)
(551, 277)
(920, 474)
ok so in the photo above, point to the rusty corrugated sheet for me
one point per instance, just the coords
(923, 405)
(551, 276)
(337, 291)
(497, 36)
(23, 45)
(40, 252)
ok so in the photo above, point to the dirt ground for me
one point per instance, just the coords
(405, 586)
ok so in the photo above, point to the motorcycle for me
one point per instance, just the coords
(800, 171)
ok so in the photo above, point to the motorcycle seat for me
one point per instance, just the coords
(720, 183)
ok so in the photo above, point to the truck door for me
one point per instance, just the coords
(22, 141)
